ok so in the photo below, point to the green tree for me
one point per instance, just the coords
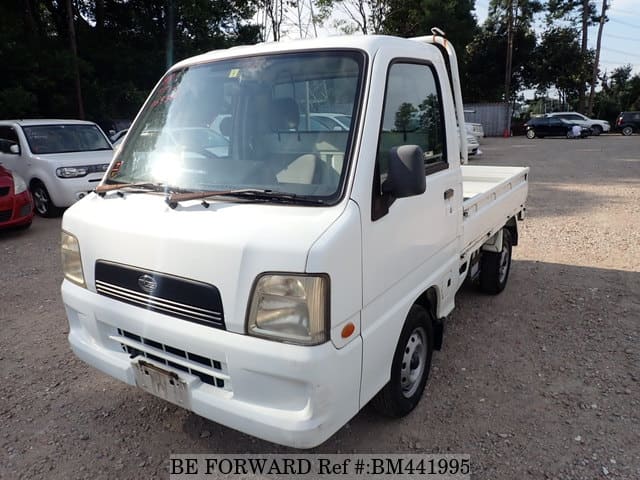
(558, 63)
(581, 14)
(121, 50)
(484, 76)
(412, 18)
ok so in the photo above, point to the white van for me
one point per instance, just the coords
(278, 286)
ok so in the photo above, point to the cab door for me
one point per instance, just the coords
(412, 243)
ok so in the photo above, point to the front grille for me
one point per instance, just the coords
(208, 370)
(4, 191)
(174, 296)
(5, 215)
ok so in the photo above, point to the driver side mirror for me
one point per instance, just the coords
(406, 176)
(15, 149)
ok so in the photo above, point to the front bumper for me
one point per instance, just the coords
(291, 395)
(67, 191)
(20, 207)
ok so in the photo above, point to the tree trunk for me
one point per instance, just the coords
(507, 72)
(99, 15)
(74, 53)
(170, 16)
(583, 52)
(594, 76)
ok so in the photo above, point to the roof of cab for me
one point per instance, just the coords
(367, 43)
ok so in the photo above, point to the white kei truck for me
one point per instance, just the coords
(277, 275)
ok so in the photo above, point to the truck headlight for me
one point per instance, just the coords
(71, 261)
(19, 185)
(71, 172)
(292, 308)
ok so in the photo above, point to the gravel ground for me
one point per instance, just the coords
(541, 381)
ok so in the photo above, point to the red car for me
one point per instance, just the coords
(16, 204)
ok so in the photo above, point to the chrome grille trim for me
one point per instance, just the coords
(161, 305)
(158, 300)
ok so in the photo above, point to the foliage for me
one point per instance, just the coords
(620, 92)
(558, 62)
(123, 50)
(485, 71)
(413, 18)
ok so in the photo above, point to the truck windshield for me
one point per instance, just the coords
(44, 139)
(249, 123)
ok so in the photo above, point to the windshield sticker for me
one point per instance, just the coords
(234, 73)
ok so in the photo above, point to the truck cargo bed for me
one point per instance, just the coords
(492, 195)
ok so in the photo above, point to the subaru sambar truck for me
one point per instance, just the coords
(275, 274)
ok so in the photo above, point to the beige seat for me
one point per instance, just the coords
(302, 170)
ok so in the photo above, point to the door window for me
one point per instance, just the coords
(412, 115)
(8, 137)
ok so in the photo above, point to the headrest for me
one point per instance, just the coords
(286, 114)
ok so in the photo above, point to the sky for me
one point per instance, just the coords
(620, 37)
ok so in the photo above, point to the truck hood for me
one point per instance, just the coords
(226, 245)
(74, 159)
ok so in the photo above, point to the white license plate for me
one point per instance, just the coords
(161, 383)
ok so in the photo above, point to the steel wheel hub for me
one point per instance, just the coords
(414, 361)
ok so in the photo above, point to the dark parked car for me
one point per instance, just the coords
(628, 122)
(553, 127)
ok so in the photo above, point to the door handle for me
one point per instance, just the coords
(448, 193)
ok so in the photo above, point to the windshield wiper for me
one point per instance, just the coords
(102, 190)
(249, 193)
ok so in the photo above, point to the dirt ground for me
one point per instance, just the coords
(542, 381)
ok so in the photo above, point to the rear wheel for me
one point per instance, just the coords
(495, 267)
(42, 201)
(531, 134)
(410, 367)
(626, 131)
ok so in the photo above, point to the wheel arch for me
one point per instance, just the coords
(429, 301)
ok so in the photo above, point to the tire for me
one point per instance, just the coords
(410, 367)
(531, 134)
(570, 135)
(596, 130)
(42, 201)
(495, 267)
(626, 131)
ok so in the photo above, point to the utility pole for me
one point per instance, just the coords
(508, 66)
(594, 77)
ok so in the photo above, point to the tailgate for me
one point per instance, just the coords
(492, 195)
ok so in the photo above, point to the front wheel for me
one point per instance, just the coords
(596, 130)
(410, 367)
(495, 267)
(626, 131)
(531, 134)
(42, 201)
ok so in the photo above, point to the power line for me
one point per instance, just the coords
(615, 10)
(622, 52)
(632, 25)
(620, 37)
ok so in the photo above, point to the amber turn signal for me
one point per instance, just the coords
(348, 330)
